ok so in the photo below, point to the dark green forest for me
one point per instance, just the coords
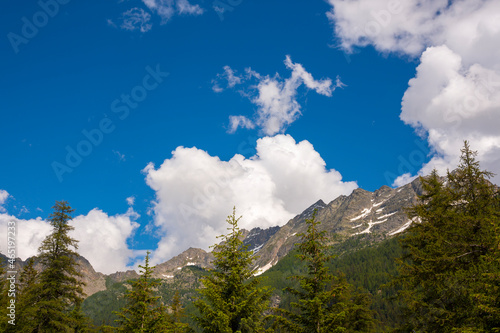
(441, 275)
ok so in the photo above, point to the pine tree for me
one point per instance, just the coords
(60, 288)
(144, 313)
(232, 300)
(452, 253)
(325, 302)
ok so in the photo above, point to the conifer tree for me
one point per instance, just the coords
(487, 296)
(452, 255)
(232, 300)
(325, 302)
(178, 314)
(3, 297)
(144, 313)
(60, 287)
(28, 297)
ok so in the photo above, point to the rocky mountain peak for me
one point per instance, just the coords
(190, 257)
(362, 212)
(257, 237)
(318, 205)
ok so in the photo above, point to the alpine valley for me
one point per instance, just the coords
(363, 230)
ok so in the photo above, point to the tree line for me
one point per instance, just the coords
(447, 280)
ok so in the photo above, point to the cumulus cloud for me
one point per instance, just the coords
(102, 238)
(29, 235)
(166, 9)
(455, 94)
(452, 102)
(196, 191)
(3, 197)
(409, 27)
(275, 98)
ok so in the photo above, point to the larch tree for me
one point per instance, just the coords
(232, 300)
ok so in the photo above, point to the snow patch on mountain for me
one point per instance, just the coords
(370, 225)
(364, 213)
(386, 215)
(401, 229)
(257, 248)
(263, 269)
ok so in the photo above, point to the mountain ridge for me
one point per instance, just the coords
(381, 213)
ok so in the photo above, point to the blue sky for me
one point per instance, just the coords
(323, 87)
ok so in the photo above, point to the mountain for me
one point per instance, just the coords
(256, 238)
(190, 257)
(380, 213)
(94, 281)
(354, 221)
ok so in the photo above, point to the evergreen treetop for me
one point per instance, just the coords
(144, 313)
(231, 300)
(325, 302)
(60, 287)
(451, 250)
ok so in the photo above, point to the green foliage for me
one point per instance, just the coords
(326, 303)
(369, 269)
(232, 300)
(102, 306)
(27, 297)
(143, 312)
(452, 264)
(178, 316)
(59, 289)
(3, 298)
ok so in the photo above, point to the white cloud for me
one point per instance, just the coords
(195, 191)
(393, 26)
(230, 76)
(403, 179)
(184, 7)
(276, 98)
(136, 19)
(102, 238)
(3, 197)
(236, 122)
(410, 26)
(29, 235)
(166, 9)
(451, 102)
(130, 200)
(455, 94)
